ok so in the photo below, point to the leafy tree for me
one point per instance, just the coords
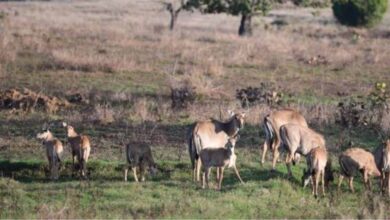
(244, 8)
(365, 13)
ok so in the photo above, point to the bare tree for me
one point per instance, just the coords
(174, 7)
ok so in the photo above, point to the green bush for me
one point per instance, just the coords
(365, 13)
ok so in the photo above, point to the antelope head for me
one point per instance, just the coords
(45, 135)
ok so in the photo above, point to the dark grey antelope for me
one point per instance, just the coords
(382, 160)
(139, 155)
(211, 134)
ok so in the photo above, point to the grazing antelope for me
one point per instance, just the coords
(299, 139)
(211, 134)
(54, 150)
(357, 159)
(382, 161)
(80, 146)
(139, 155)
(272, 124)
(318, 166)
(219, 158)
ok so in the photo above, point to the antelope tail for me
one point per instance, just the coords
(269, 131)
(192, 150)
(197, 142)
(128, 156)
(285, 143)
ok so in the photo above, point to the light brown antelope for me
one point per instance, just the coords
(357, 159)
(318, 167)
(272, 124)
(219, 158)
(80, 147)
(382, 160)
(211, 134)
(299, 139)
(139, 155)
(54, 150)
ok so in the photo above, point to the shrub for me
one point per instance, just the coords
(365, 110)
(365, 13)
(312, 3)
(265, 93)
(182, 97)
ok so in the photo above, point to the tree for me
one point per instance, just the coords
(366, 13)
(174, 7)
(244, 8)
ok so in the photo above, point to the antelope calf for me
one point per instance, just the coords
(80, 146)
(299, 139)
(357, 159)
(54, 150)
(219, 158)
(382, 160)
(318, 167)
(139, 155)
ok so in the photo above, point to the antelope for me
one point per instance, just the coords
(211, 134)
(219, 158)
(80, 147)
(357, 159)
(54, 150)
(318, 166)
(382, 161)
(272, 123)
(299, 139)
(139, 155)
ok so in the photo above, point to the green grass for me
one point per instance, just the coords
(172, 194)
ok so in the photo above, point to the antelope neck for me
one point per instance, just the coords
(230, 128)
(49, 137)
(72, 134)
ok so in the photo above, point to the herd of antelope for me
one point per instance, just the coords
(211, 143)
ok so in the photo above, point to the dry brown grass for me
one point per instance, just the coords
(122, 57)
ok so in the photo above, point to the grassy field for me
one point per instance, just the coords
(121, 58)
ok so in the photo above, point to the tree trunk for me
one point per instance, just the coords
(174, 16)
(245, 25)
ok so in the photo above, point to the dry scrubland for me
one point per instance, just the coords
(120, 56)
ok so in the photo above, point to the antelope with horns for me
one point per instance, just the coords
(219, 158)
(272, 124)
(211, 134)
(318, 168)
(382, 161)
(299, 139)
(139, 155)
(54, 151)
(80, 146)
(357, 159)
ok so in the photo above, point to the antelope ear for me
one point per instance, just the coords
(230, 112)
(44, 126)
(64, 124)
